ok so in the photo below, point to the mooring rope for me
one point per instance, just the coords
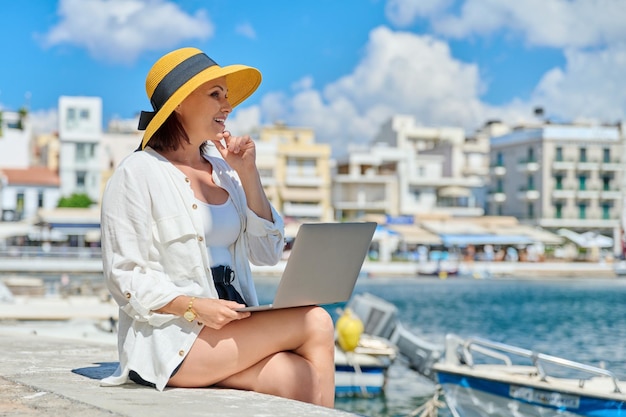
(431, 407)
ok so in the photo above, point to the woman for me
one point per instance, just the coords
(176, 223)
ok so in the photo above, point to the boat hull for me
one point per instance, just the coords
(362, 381)
(468, 396)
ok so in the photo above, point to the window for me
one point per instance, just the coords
(531, 155)
(606, 155)
(559, 154)
(606, 183)
(500, 210)
(499, 159)
(582, 183)
(530, 182)
(19, 206)
(582, 155)
(500, 186)
(85, 152)
(582, 211)
(40, 199)
(81, 152)
(531, 211)
(558, 210)
(558, 182)
(606, 211)
(80, 178)
(84, 114)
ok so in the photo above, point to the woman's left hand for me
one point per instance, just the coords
(239, 151)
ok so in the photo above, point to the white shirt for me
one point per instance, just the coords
(153, 250)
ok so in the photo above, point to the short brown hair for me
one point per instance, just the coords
(169, 136)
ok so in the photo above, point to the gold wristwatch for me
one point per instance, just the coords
(190, 315)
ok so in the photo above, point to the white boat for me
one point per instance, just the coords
(363, 371)
(482, 378)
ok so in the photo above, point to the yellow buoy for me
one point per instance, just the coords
(349, 330)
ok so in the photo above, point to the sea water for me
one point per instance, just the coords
(578, 319)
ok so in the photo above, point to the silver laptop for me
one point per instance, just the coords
(323, 266)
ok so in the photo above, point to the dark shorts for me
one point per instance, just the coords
(137, 379)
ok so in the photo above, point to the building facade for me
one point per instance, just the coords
(560, 176)
(80, 134)
(411, 170)
(295, 172)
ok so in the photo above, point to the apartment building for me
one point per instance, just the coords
(412, 170)
(23, 188)
(80, 133)
(560, 176)
(295, 172)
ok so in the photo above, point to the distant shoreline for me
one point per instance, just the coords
(370, 268)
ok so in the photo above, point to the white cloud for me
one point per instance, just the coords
(592, 85)
(246, 30)
(400, 73)
(120, 30)
(590, 34)
(244, 120)
(403, 13)
(554, 23)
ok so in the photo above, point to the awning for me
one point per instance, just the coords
(454, 191)
(415, 235)
(587, 239)
(11, 229)
(536, 234)
(484, 239)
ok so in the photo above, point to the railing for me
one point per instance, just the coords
(31, 252)
(486, 347)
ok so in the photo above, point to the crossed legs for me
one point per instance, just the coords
(286, 352)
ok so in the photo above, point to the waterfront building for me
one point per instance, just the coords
(295, 172)
(26, 190)
(15, 139)
(23, 189)
(560, 176)
(411, 170)
(80, 134)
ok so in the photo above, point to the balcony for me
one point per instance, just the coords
(563, 165)
(611, 166)
(304, 181)
(612, 193)
(587, 166)
(563, 193)
(528, 194)
(303, 210)
(587, 193)
(497, 170)
(527, 165)
(496, 196)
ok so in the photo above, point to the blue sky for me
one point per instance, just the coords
(342, 67)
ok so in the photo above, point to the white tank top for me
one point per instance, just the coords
(221, 229)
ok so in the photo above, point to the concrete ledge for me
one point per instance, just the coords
(47, 376)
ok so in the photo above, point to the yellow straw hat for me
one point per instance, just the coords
(175, 75)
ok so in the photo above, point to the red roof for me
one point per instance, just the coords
(31, 176)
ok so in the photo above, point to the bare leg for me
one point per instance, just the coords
(287, 352)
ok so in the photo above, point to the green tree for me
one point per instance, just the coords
(76, 200)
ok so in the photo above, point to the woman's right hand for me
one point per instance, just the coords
(217, 313)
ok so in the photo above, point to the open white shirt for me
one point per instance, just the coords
(153, 250)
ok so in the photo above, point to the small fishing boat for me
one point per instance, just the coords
(361, 365)
(482, 378)
(363, 372)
